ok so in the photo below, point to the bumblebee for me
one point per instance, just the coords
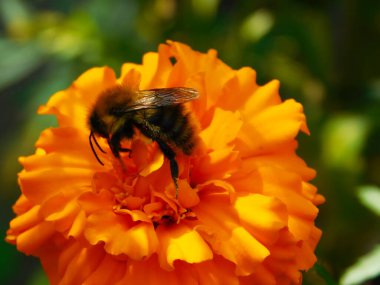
(158, 114)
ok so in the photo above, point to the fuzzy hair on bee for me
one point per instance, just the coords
(158, 114)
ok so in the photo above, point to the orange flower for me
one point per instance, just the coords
(245, 211)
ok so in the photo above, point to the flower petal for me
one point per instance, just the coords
(71, 106)
(136, 273)
(189, 63)
(218, 271)
(222, 229)
(92, 202)
(27, 219)
(74, 257)
(271, 129)
(187, 196)
(78, 225)
(93, 80)
(219, 164)
(263, 98)
(244, 81)
(286, 160)
(287, 188)
(222, 131)
(262, 276)
(272, 216)
(146, 157)
(174, 245)
(30, 240)
(41, 179)
(114, 230)
(109, 271)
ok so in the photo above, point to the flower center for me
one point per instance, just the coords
(137, 196)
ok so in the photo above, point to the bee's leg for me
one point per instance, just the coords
(124, 149)
(127, 132)
(170, 154)
(149, 131)
(114, 143)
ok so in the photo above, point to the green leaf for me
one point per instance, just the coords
(367, 267)
(370, 197)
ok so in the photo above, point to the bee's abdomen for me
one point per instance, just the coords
(174, 127)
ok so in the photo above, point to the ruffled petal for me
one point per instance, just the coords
(219, 164)
(30, 240)
(238, 90)
(146, 157)
(190, 64)
(218, 271)
(41, 179)
(58, 143)
(187, 197)
(222, 230)
(222, 131)
(263, 98)
(272, 129)
(150, 272)
(109, 271)
(266, 225)
(65, 212)
(285, 160)
(74, 257)
(114, 230)
(174, 245)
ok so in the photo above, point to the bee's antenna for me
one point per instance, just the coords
(96, 142)
(92, 147)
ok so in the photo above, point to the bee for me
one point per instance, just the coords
(158, 114)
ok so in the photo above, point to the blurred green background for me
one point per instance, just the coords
(325, 53)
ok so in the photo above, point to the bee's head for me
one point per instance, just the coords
(100, 124)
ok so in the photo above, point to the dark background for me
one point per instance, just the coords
(325, 53)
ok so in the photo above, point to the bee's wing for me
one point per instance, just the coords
(154, 98)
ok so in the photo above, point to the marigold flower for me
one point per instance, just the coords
(245, 210)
